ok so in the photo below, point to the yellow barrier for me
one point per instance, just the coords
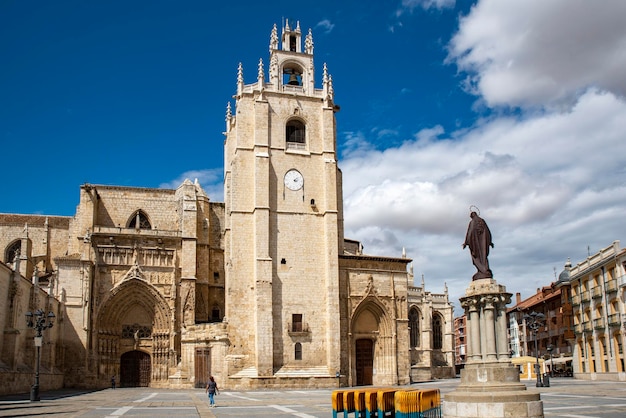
(430, 400)
(371, 403)
(418, 404)
(359, 403)
(385, 402)
(380, 403)
(337, 402)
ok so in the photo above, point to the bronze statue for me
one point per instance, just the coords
(478, 238)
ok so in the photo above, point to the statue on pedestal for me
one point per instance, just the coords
(478, 238)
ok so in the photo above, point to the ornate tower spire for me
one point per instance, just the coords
(261, 79)
(239, 80)
(274, 39)
(308, 43)
(229, 117)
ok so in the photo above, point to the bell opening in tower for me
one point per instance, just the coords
(292, 43)
(292, 77)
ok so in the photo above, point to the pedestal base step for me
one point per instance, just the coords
(516, 404)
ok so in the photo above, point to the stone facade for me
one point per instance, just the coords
(164, 287)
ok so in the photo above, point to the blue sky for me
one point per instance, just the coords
(517, 107)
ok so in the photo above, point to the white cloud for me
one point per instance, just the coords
(536, 52)
(326, 25)
(210, 179)
(549, 184)
(408, 6)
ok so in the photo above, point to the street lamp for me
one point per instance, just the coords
(534, 321)
(39, 322)
(550, 347)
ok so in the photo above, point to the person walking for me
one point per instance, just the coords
(113, 382)
(211, 389)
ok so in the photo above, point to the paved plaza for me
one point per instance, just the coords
(565, 398)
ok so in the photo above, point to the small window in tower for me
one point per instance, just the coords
(298, 351)
(292, 43)
(139, 220)
(215, 314)
(295, 135)
(292, 77)
(12, 251)
(296, 323)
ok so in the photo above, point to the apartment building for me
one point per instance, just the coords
(598, 288)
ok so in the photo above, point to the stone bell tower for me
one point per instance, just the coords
(284, 227)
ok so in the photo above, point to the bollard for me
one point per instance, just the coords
(546, 380)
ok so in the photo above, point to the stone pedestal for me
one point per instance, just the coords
(490, 385)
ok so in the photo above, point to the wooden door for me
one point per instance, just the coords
(135, 369)
(364, 361)
(202, 367)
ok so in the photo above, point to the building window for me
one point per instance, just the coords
(139, 220)
(298, 351)
(215, 314)
(295, 134)
(437, 332)
(12, 251)
(414, 325)
(296, 323)
(136, 331)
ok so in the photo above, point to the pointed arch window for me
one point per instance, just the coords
(414, 326)
(12, 251)
(139, 220)
(437, 332)
(295, 134)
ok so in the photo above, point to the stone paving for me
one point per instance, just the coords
(566, 398)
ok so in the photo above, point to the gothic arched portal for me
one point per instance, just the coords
(372, 345)
(135, 317)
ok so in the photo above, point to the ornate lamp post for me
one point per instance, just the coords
(534, 321)
(39, 322)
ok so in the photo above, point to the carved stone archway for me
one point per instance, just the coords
(371, 321)
(134, 316)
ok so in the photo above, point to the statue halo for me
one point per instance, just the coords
(474, 208)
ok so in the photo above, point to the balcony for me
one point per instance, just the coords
(576, 300)
(133, 232)
(585, 296)
(596, 292)
(587, 326)
(614, 320)
(611, 286)
(578, 328)
(598, 323)
(298, 329)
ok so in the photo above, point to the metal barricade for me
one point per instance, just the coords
(385, 402)
(418, 404)
(430, 403)
(337, 398)
(371, 403)
(348, 403)
(359, 403)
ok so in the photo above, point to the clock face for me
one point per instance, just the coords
(294, 180)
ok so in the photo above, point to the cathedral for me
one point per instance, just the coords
(164, 288)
